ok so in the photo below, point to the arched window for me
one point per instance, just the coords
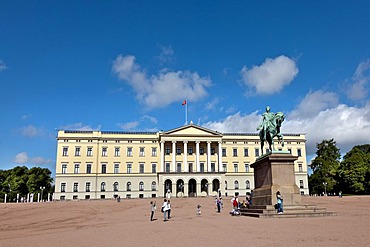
(128, 186)
(102, 187)
(225, 185)
(236, 184)
(141, 186)
(115, 186)
(154, 186)
(247, 185)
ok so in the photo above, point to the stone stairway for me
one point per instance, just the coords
(290, 211)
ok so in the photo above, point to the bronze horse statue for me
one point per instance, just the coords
(271, 130)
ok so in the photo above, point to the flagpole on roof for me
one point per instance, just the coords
(186, 111)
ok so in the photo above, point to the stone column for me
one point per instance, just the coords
(199, 192)
(173, 156)
(208, 156)
(197, 155)
(219, 156)
(186, 189)
(186, 156)
(162, 153)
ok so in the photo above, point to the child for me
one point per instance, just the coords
(199, 212)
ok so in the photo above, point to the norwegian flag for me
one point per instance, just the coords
(184, 102)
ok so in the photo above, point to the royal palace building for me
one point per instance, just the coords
(188, 161)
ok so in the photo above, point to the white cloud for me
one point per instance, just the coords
(360, 82)
(130, 125)
(212, 104)
(2, 66)
(166, 55)
(160, 90)
(22, 158)
(79, 126)
(349, 126)
(151, 119)
(271, 76)
(31, 131)
(313, 103)
(236, 123)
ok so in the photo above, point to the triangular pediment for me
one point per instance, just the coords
(192, 130)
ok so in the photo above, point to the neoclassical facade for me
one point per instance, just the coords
(188, 161)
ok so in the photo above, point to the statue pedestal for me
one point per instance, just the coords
(275, 172)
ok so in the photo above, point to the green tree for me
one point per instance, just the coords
(39, 178)
(354, 170)
(325, 167)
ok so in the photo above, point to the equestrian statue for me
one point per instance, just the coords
(270, 128)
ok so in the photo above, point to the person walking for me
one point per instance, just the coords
(153, 208)
(164, 209)
(279, 199)
(169, 209)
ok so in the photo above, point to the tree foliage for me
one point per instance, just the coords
(325, 167)
(351, 175)
(354, 170)
(21, 180)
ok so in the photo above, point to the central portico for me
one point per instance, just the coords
(191, 161)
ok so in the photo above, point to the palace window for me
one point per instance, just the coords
(154, 152)
(299, 152)
(236, 184)
(167, 151)
(89, 151)
(104, 151)
(167, 167)
(116, 168)
(65, 151)
(201, 150)
(88, 168)
(129, 152)
(224, 167)
(212, 151)
(141, 186)
(154, 168)
(75, 187)
(77, 168)
(142, 168)
(154, 186)
(256, 152)
(142, 152)
(63, 187)
(246, 165)
(116, 152)
(64, 168)
(301, 184)
(115, 186)
(300, 169)
(87, 187)
(235, 152)
(213, 167)
(235, 167)
(246, 152)
(78, 151)
(102, 187)
(129, 168)
(247, 185)
(178, 168)
(128, 186)
(201, 167)
(190, 150)
(104, 168)
(224, 152)
(178, 150)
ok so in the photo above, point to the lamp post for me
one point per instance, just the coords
(42, 190)
(325, 184)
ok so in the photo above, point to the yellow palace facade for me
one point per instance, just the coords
(188, 161)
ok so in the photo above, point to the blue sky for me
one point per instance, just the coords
(128, 65)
